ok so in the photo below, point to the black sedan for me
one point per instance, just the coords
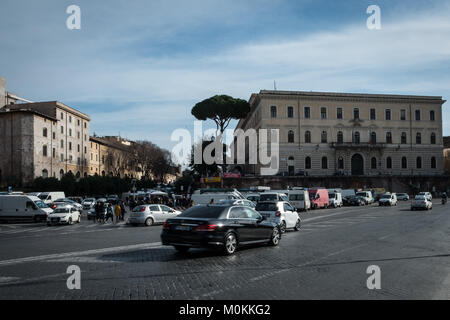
(222, 227)
(356, 201)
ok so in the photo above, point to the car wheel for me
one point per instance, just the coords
(298, 225)
(275, 237)
(181, 249)
(149, 222)
(230, 243)
(283, 226)
(70, 221)
(79, 219)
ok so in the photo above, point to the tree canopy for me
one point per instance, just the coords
(221, 109)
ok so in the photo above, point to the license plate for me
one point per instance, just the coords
(182, 228)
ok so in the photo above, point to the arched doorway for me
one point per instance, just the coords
(357, 165)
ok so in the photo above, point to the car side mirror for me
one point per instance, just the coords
(261, 218)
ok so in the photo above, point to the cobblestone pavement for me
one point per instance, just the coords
(326, 259)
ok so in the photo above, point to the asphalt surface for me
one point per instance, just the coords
(327, 259)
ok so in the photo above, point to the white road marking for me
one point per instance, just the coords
(8, 279)
(80, 253)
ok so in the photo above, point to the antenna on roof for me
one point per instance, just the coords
(274, 85)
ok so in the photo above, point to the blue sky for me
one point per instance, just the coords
(137, 67)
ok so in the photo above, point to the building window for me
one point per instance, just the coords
(70, 146)
(78, 148)
(54, 135)
(78, 122)
(62, 129)
(62, 116)
(403, 114)
(70, 132)
(85, 138)
(341, 163)
(388, 137)
(62, 143)
(308, 137)
(417, 115)
(355, 113)
(356, 138)
(273, 111)
(418, 138)
(419, 163)
(92, 156)
(54, 153)
(388, 114)
(323, 138)
(373, 163)
(373, 114)
(78, 134)
(291, 168)
(339, 113)
(323, 113)
(44, 132)
(79, 161)
(307, 163)
(431, 115)
(389, 163)
(291, 136)
(44, 173)
(373, 137)
(433, 138)
(404, 163)
(290, 112)
(433, 163)
(61, 173)
(307, 113)
(403, 139)
(324, 163)
(70, 159)
(44, 151)
(62, 157)
(103, 159)
(85, 149)
(340, 137)
(70, 119)
(85, 125)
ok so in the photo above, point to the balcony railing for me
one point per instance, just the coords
(352, 145)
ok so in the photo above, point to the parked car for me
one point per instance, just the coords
(427, 195)
(88, 203)
(319, 198)
(388, 199)
(76, 199)
(299, 199)
(66, 201)
(280, 212)
(402, 197)
(149, 214)
(273, 196)
(253, 197)
(64, 215)
(421, 202)
(335, 198)
(356, 201)
(241, 202)
(220, 227)
(367, 196)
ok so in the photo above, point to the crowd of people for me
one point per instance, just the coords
(182, 202)
(110, 210)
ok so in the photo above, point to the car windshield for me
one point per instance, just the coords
(331, 195)
(420, 197)
(296, 197)
(266, 207)
(43, 196)
(386, 196)
(361, 194)
(268, 197)
(203, 212)
(41, 204)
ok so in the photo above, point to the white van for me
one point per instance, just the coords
(49, 197)
(23, 208)
(367, 195)
(204, 196)
(273, 196)
(299, 199)
(335, 197)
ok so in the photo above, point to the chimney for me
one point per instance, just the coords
(2, 92)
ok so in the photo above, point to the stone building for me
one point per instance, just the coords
(328, 134)
(47, 139)
(447, 155)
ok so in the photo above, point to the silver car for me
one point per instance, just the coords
(150, 214)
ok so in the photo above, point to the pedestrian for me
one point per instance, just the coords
(212, 201)
(122, 211)
(117, 212)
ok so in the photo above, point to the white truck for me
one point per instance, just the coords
(299, 199)
(23, 207)
(49, 197)
(335, 197)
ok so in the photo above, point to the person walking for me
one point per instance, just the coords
(109, 213)
(122, 211)
(117, 212)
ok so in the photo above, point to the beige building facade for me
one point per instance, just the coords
(45, 139)
(325, 134)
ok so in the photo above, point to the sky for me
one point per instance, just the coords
(138, 67)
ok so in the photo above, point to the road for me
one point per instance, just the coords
(327, 259)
